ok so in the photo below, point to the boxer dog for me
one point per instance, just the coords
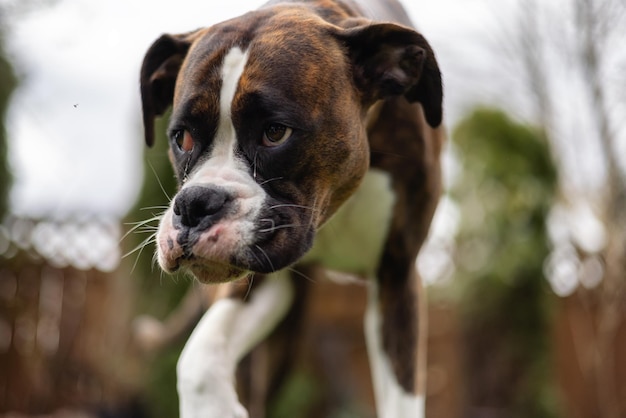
(303, 133)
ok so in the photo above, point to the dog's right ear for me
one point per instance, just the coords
(393, 60)
(158, 77)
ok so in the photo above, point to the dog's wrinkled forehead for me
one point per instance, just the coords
(293, 52)
(290, 52)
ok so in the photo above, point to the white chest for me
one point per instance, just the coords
(352, 240)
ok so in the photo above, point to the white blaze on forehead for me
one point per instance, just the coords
(226, 139)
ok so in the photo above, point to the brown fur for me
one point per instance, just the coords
(340, 135)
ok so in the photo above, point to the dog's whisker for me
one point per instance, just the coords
(277, 227)
(154, 262)
(169, 198)
(146, 241)
(258, 260)
(290, 205)
(250, 283)
(269, 180)
(266, 257)
(142, 245)
(137, 226)
(147, 230)
(161, 207)
(161, 278)
(143, 228)
(271, 221)
(139, 250)
(254, 165)
(299, 273)
(144, 221)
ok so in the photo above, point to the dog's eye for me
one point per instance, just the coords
(275, 134)
(183, 140)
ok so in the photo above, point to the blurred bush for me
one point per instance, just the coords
(505, 192)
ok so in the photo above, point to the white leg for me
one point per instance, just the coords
(226, 332)
(392, 401)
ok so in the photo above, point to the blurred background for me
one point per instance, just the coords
(524, 265)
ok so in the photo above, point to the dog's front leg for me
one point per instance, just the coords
(395, 330)
(226, 332)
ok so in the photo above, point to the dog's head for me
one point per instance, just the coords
(267, 133)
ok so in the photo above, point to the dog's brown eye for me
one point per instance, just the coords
(184, 140)
(275, 134)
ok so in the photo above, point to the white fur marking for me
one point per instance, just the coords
(392, 401)
(222, 156)
(226, 332)
(226, 138)
(222, 167)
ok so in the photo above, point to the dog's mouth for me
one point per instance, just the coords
(231, 249)
(214, 272)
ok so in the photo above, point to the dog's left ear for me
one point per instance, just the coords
(158, 77)
(390, 60)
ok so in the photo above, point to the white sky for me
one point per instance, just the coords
(74, 123)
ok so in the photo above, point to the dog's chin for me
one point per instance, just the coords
(213, 273)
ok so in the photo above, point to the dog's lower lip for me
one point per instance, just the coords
(216, 272)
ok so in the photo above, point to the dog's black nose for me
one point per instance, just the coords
(196, 205)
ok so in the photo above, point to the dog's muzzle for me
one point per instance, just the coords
(224, 233)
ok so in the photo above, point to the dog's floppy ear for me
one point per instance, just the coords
(390, 59)
(158, 77)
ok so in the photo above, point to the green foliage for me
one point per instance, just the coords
(298, 394)
(161, 384)
(7, 84)
(501, 148)
(505, 192)
(304, 392)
